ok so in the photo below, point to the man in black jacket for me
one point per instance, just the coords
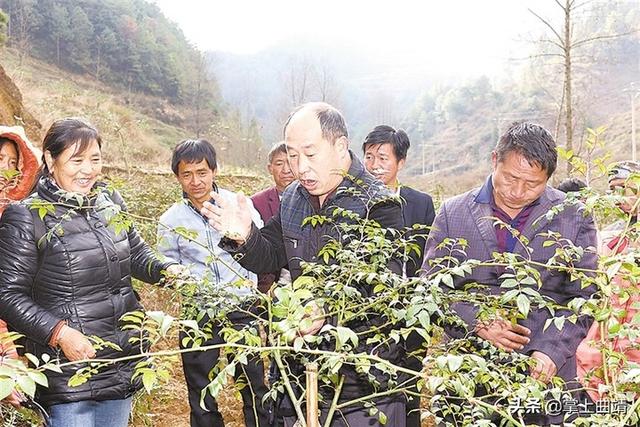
(318, 149)
(385, 151)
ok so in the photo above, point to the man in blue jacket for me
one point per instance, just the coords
(194, 164)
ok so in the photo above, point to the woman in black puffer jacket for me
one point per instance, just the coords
(78, 283)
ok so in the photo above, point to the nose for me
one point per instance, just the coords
(86, 167)
(302, 164)
(286, 169)
(518, 191)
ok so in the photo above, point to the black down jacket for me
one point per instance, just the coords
(84, 278)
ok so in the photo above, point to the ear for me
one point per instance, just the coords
(401, 164)
(48, 158)
(342, 145)
(494, 160)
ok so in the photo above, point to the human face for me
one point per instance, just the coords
(629, 196)
(516, 183)
(280, 171)
(196, 179)
(381, 162)
(8, 157)
(317, 163)
(76, 172)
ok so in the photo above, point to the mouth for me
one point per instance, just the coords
(308, 183)
(378, 173)
(84, 182)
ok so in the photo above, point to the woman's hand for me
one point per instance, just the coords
(14, 399)
(75, 345)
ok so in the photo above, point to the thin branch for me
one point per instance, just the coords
(544, 21)
(603, 37)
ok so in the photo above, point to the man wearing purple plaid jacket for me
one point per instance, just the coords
(517, 193)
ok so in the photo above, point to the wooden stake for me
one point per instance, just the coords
(313, 417)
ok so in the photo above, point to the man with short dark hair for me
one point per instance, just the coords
(385, 152)
(195, 166)
(318, 148)
(517, 194)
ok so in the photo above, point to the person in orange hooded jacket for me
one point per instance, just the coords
(19, 167)
(616, 239)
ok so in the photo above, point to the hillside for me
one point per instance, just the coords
(138, 130)
(12, 108)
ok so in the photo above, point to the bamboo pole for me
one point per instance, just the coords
(313, 418)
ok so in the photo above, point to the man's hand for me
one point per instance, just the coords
(177, 270)
(504, 335)
(75, 345)
(545, 369)
(233, 220)
(317, 320)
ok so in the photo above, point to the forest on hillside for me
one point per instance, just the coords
(124, 42)
(131, 47)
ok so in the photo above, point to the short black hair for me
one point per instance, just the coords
(332, 122)
(571, 185)
(193, 151)
(531, 141)
(384, 134)
(278, 148)
(66, 132)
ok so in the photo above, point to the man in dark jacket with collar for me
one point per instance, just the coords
(385, 152)
(267, 202)
(318, 149)
(517, 193)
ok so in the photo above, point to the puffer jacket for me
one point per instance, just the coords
(84, 278)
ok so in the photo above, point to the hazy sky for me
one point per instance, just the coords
(449, 35)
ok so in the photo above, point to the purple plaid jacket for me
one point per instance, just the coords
(465, 217)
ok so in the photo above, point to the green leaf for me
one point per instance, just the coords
(6, 387)
(148, 380)
(27, 385)
(448, 280)
(33, 359)
(454, 362)
(523, 304)
(559, 322)
(39, 378)
(382, 418)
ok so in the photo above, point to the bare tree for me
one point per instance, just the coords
(326, 83)
(22, 17)
(564, 43)
(298, 77)
(200, 92)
